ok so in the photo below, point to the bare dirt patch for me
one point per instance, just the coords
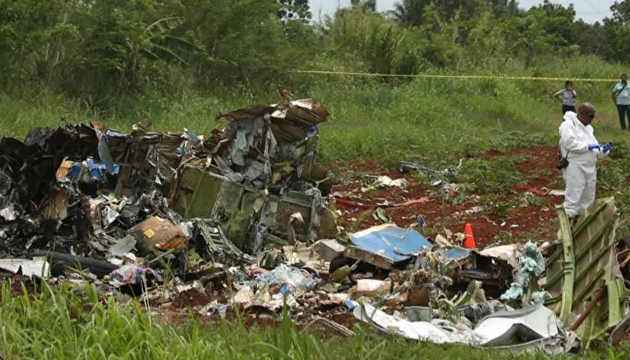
(538, 169)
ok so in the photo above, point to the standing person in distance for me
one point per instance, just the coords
(567, 97)
(621, 97)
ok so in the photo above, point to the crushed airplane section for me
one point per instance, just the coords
(247, 210)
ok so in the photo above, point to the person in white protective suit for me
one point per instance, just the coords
(580, 147)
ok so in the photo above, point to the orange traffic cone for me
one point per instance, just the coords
(469, 239)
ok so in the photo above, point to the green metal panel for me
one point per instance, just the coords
(567, 264)
(197, 192)
(586, 257)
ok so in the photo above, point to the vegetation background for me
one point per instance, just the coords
(177, 63)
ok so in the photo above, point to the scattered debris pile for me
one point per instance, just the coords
(241, 220)
(80, 189)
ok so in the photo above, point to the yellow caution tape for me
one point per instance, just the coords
(434, 76)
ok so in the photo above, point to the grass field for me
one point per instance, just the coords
(73, 324)
(433, 120)
(369, 117)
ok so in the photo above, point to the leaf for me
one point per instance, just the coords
(163, 25)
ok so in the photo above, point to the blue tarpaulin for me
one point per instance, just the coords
(391, 242)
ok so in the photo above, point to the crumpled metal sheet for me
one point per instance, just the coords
(9, 213)
(38, 267)
(123, 246)
(518, 326)
(420, 330)
(274, 134)
(248, 112)
(509, 253)
(528, 329)
(478, 311)
(465, 265)
(214, 245)
(585, 259)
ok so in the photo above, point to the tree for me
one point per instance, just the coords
(544, 29)
(367, 5)
(621, 12)
(122, 40)
(608, 39)
(513, 9)
(501, 8)
(409, 12)
(34, 38)
(294, 10)
(245, 42)
(593, 39)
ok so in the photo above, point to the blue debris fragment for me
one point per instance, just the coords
(391, 242)
(73, 173)
(192, 140)
(103, 152)
(456, 253)
(115, 134)
(477, 274)
(95, 169)
(313, 130)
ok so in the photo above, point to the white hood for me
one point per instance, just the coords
(570, 116)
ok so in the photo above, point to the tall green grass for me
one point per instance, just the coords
(369, 117)
(72, 324)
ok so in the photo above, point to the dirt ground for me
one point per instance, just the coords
(540, 219)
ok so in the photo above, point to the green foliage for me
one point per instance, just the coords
(527, 199)
(34, 36)
(536, 236)
(462, 195)
(294, 10)
(177, 63)
(497, 176)
(98, 51)
(72, 323)
(621, 12)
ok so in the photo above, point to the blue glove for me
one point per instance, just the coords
(593, 146)
(607, 147)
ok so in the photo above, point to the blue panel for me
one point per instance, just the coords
(478, 274)
(456, 253)
(115, 134)
(391, 242)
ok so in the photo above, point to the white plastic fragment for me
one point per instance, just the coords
(37, 267)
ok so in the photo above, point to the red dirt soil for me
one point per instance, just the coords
(485, 227)
(190, 299)
(19, 284)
